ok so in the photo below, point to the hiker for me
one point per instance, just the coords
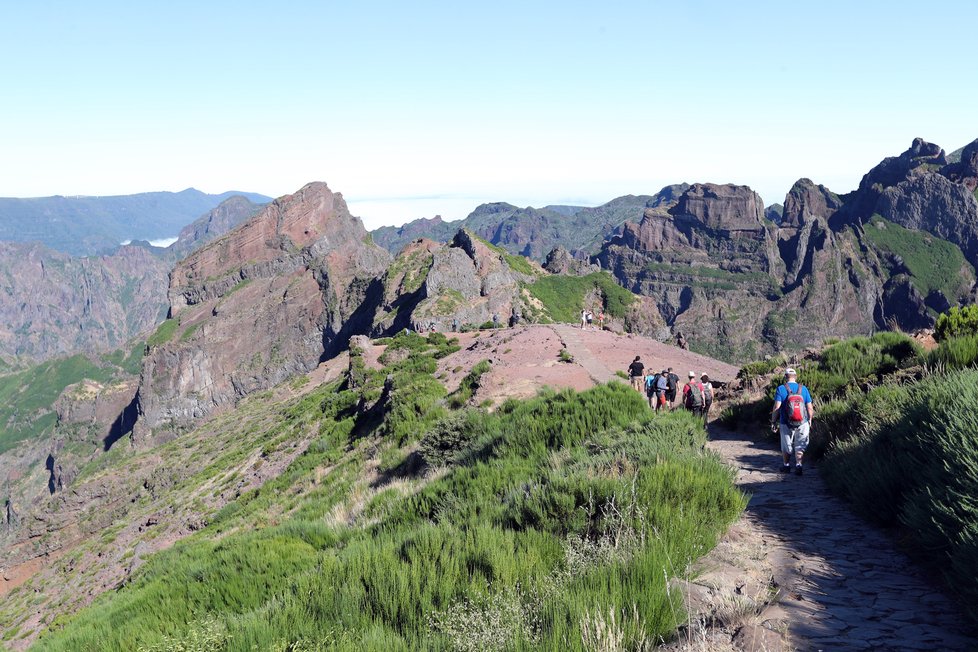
(792, 413)
(583, 318)
(636, 372)
(681, 341)
(455, 325)
(601, 320)
(707, 397)
(495, 320)
(650, 381)
(660, 387)
(514, 318)
(672, 385)
(693, 395)
(590, 319)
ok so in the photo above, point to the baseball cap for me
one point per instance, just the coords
(692, 374)
(790, 372)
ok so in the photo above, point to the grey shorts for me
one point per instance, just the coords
(794, 440)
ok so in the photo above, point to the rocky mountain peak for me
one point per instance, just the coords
(270, 299)
(721, 207)
(965, 169)
(807, 200)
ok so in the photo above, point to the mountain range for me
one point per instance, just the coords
(95, 225)
(269, 310)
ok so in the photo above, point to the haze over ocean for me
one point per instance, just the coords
(416, 109)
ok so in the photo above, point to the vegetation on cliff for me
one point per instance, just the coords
(548, 515)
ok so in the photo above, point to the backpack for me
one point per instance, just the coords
(794, 407)
(695, 397)
(708, 393)
(673, 381)
(651, 382)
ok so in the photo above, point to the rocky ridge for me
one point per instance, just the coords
(272, 298)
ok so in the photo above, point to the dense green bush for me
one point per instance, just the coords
(914, 461)
(954, 353)
(957, 322)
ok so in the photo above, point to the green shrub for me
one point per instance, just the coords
(163, 333)
(957, 322)
(469, 385)
(954, 353)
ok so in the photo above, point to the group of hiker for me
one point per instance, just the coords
(662, 389)
(587, 319)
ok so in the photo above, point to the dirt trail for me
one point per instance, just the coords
(841, 583)
(571, 339)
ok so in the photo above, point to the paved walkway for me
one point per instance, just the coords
(571, 338)
(844, 586)
(840, 582)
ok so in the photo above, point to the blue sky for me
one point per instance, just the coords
(416, 109)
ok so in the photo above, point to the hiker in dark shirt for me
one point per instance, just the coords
(636, 372)
(672, 383)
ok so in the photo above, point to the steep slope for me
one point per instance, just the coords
(340, 454)
(272, 298)
(54, 304)
(92, 225)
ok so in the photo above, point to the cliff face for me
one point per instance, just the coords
(271, 299)
(54, 304)
(739, 286)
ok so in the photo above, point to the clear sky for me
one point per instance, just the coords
(412, 109)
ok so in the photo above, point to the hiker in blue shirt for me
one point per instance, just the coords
(793, 413)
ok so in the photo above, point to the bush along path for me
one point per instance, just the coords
(801, 571)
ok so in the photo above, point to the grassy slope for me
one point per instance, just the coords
(934, 264)
(563, 296)
(27, 396)
(551, 511)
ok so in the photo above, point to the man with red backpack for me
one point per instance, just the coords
(694, 395)
(793, 411)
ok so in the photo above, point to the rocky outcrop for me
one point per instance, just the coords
(561, 261)
(736, 285)
(271, 299)
(921, 158)
(534, 232)
(934, 203)
(464, 282)
(727, 209)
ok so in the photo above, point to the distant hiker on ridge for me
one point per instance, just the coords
(590, 319)
(583, 318)
(793, 411)
(601, 320)
(636, 372)
(681, 341)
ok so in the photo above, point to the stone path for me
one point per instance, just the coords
(571, 338)
(841, 584)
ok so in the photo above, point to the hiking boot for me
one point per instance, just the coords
(785, 468)
(798, 469)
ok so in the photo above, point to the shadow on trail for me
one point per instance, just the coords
(847, 586)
